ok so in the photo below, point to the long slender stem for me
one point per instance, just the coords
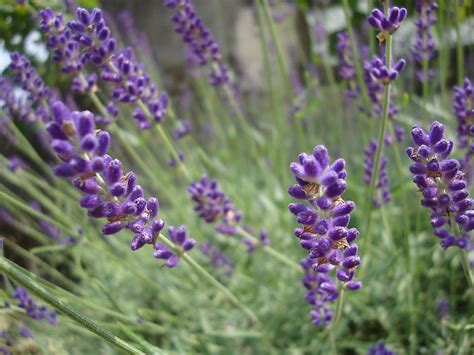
(356, 54)
(198, 269)
(465, 267)
(17, 276)
(340, 302)
(45, 266)
(269, 250)
(276, 41)
(173, 152)
(459, 46)
(23, 206)
(380, 140)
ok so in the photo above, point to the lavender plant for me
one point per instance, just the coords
(324, 233)
(95, 118)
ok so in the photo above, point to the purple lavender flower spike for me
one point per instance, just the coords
(87, 86)
(424, 47)
(109, 192)
(88, 40)
(346, 65)
(213, 205)
(375, 86)
(380, 349)
(38, 94)
(199, 39)
(217, 258)
(463, 107)
(442, 185)
(30, 81)
(387, 25)
(182, 242)
(320, 292)
(324, 233)
(31, 308)
(379, 71)
(382, 185)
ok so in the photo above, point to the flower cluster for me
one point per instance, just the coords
(202, 44)
(87, 85)
(387, 25)
(217, 258)
(131, 84)
(382, 185)
(182, 242)
(61, 41)
(30, 81)
(15, 107)
(424, 46)
(380, 349)
(31, 308)
(213, 205)
(109, 193)
(33, 85)
(320, 290)
(324, 233)
(87, 39)
(463, 107)
(442, 185)
(346, 64)
(382, 73)
(376, 76)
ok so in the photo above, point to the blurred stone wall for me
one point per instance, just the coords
(232, 22)
(152, 17)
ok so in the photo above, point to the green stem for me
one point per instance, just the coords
(356, 55)
(399, 166)
(21, 205)
(380, 141)
(276, 41)
(459, 47)
(173, 152)
(269, 250)
(199, 270)
(45, 266)
(20, 278)
(466, 268)
(338, 310)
